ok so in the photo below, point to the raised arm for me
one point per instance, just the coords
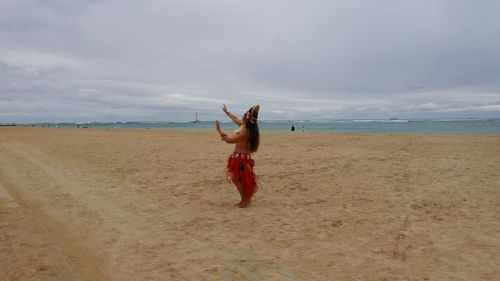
(234, 138)
(232, 116)
(217, 127)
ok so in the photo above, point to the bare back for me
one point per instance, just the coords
(242, 146)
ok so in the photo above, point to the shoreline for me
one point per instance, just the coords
(475, 126)
(202, 130)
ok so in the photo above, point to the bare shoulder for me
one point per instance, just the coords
(241, 130)
(244, 131)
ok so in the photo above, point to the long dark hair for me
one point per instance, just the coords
(253, 128)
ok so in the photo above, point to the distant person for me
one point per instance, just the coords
(240, 165)
(293, 128)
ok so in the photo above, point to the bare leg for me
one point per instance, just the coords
(239, 186)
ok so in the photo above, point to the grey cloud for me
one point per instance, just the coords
(298, 59)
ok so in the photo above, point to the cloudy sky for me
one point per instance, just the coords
(99, 60)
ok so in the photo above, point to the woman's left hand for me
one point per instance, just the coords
(224, 108)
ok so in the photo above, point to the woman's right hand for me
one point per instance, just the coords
(224, 108)
(217, 126)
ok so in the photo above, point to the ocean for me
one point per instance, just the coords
(483, 126)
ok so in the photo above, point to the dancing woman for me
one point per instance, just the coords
(240, 164)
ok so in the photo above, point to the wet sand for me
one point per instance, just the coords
(111, 204)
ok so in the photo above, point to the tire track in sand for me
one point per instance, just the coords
(76, 221)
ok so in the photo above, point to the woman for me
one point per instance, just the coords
(240, 165)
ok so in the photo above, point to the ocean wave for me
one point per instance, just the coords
(377, 120)
(462, 120)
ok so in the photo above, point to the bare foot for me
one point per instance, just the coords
(243, 204)
(238, 204)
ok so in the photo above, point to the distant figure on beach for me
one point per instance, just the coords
(240, 164)
(293, 128)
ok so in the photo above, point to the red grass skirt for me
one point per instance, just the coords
(240, 169)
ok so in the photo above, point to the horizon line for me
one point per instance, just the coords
(264, 120)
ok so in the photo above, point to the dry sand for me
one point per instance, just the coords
(109, 204)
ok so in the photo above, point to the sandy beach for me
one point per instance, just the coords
(139, 204)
